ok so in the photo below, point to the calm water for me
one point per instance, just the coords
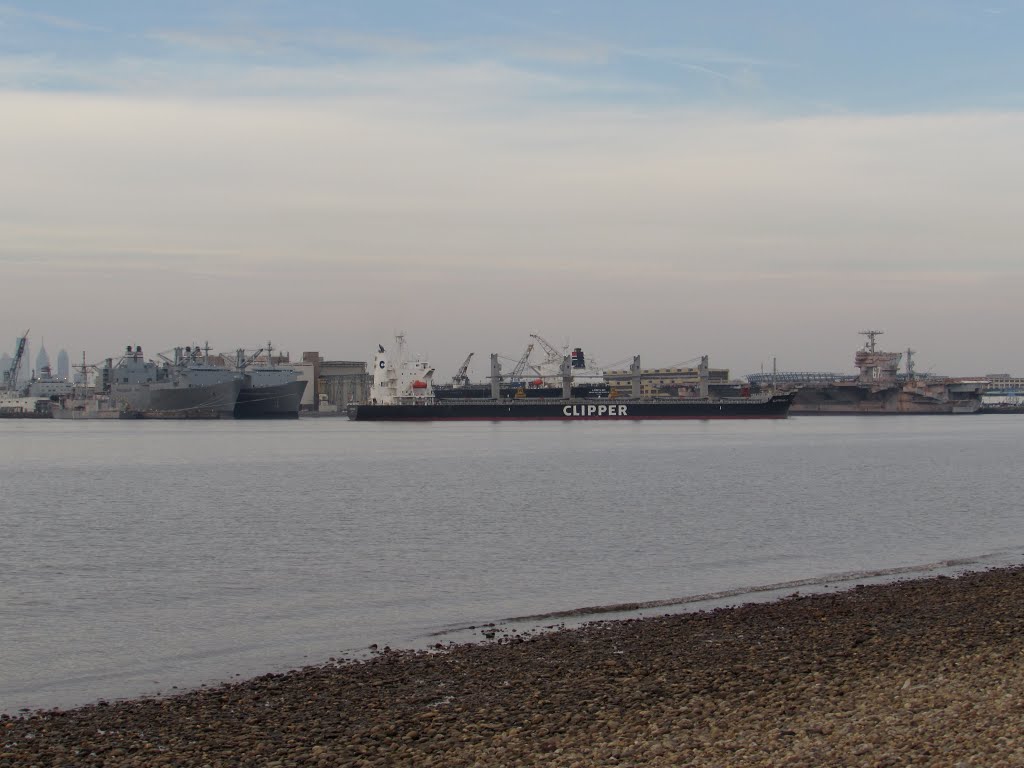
(138, 556)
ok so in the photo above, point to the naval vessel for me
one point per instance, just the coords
(268, 391)
(184, 387)
(878, 388)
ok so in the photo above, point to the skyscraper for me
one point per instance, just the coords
(42, 360)
(63, 366)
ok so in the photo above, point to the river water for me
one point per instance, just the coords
(137, 557)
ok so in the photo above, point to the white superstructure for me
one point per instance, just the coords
(397, 379)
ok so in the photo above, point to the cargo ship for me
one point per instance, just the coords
(403, 391)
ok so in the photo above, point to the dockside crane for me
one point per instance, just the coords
(10, 381)
(460, 379)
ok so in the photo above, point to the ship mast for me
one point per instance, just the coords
(870, 344)
(85, 377)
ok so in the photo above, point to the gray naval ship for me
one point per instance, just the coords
(182, 388)
(268, 390)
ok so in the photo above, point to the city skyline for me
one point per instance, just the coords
(673, 179)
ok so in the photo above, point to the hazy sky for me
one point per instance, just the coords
(742, 179)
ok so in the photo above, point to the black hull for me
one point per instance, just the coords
(776, 407)
(277, 402)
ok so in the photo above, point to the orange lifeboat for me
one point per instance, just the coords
(419, 384)
(537, 382)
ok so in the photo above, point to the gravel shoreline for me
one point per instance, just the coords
(923, 673)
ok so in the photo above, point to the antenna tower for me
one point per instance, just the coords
(870, 344)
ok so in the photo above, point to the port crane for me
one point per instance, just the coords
(11, 374)
(460, 379)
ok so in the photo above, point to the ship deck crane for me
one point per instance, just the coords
(553, 355)
(520, 369)
(460, 379)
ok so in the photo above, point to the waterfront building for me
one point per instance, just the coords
(333, 384)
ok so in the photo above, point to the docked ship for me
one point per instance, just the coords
(878, 388)
(16, 406)
(182, 388)
(268, 391)
(86, 403)
(46, 385)
(1002, 400)
(403, 391)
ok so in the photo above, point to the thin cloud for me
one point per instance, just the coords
(705, 61)
(214, 43)
(59, 22)
(270, 42)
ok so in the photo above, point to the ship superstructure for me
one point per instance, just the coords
(46, 385)
(399, 379)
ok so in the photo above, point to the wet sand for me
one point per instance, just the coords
(922, 673)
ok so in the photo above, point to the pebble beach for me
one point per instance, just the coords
(924, 673)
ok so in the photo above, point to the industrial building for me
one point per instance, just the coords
(333, 384)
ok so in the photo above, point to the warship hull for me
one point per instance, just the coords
(90, 408)
(172, 400)
(856, 399)
(277, 401)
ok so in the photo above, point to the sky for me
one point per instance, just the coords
(753, 181)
